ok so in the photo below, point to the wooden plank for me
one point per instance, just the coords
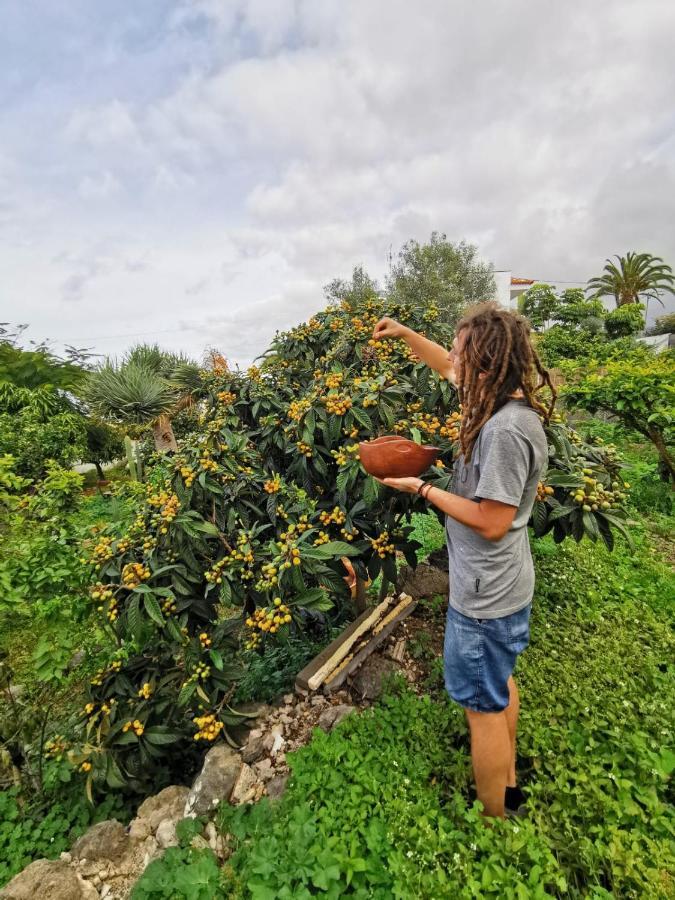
(344, 648)
(336, 679)
(302, 678)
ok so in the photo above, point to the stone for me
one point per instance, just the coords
(199, 842)
(330, 717)
(276, 787)
(105, 890)
(255, 733)
(285, 719)
(139, 830)
(66, 856)
(14, 692)
(104, 841)
(215, 781)
(243, 789)
(51, 880)
(279, 743)
(318, 700)
(368, 680)
(166, 834)
(288, 699)
(253, 750)
(255, 710)
(424, 581)
(215, 840)
(76, 660)
(264, 768)
(168, 804)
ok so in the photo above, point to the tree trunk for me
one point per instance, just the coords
(659, 443)
(129, 449)
(99, 471)
(162, 431)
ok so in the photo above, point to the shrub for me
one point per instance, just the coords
(625, 321)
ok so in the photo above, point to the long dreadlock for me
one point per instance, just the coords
(497, 359)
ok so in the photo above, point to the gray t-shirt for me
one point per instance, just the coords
(489, 579)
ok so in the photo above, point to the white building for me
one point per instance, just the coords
(510, 288)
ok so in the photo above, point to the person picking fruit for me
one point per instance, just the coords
(502, 458)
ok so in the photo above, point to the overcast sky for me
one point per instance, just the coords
(194, 171)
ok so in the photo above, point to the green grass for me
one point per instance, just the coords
(382, 807)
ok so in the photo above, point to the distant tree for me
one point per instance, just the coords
(449, 275)
(103, 445)
(538, 304)
(637, 276)
(638, 389)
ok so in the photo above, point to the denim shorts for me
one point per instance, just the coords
(479, 655)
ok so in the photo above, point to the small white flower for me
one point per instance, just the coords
(516, 830)
(456, 857)
(409, 854)
(473, 847)
(406, 781)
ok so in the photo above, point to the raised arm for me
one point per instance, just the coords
(435, 356)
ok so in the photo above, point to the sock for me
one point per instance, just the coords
(513, 798)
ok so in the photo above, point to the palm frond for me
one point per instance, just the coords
(132, 393)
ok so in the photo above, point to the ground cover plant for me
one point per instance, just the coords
(382, 807)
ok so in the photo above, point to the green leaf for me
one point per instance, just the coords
(153, 609)
(160, 735)
(313, 599)
(330, 550)
(134, 618)
(217, 659)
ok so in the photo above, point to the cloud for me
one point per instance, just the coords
(213, 163)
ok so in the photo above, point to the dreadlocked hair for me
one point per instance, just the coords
(498, 347)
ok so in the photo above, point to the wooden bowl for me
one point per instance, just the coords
(392, 456)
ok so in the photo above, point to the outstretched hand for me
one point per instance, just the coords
(388, 328)
(408, 485)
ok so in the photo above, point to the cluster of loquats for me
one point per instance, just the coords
(201, 671)
(266, 620)
(336, 516)
(56, 748)
(363, 325)
(334, 380)
(136, 726)
(349, 535)
(145, 691)
(337, 404)
(336, 324)
(205, 640)
(382, 349)
(113, 668)
(305, 449)
(298, 408)
(345, 454)
(594, 495)
(226, 397)
(543, 491)
(100, 593)
(206, 464)
(102, 551)
(323, 538)
(134, 574)
(166, 505)
(169, 607)
(382, 546)
(209, 727)
(273, 486)
(352, 432)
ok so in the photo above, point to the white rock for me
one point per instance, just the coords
(139, 830)
(66, 857)
(278, 744)
(166, 834)
(105, 890)
(243, 789)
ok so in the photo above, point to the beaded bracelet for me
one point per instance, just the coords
(419, 489)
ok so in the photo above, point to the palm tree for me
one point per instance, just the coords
(637, 276)
(147, 389)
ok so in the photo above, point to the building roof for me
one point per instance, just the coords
(522, 280)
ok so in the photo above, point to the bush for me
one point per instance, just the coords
(625, 321)
(34, 441)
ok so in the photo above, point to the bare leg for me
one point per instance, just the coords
(512, 711)
(491, 758)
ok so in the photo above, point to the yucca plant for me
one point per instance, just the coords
(147, 389)
(636, 277)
